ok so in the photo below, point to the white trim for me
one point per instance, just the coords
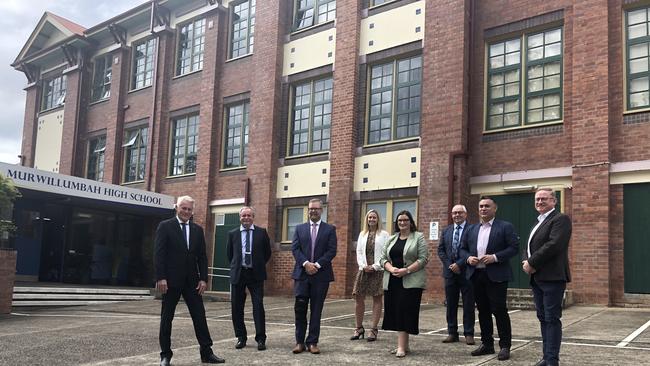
(523, 175)
(629, 166)
(228, 201)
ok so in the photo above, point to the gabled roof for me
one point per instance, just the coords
(50, 29)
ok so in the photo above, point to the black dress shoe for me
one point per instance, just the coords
(261, 345)
(541, 362)
(241, 343)
(504, 354)
(212, 358)
(165, 361)
(483, 350)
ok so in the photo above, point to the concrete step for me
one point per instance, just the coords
(522, 298)
(68, 296)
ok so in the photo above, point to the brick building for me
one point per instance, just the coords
(394, 104)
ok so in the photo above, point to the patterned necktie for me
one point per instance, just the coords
(184, 224)
(247, 249)
(314, 232)
(455, 243)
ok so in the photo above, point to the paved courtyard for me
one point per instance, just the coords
(127, 334)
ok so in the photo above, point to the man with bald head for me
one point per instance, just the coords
(453, 271)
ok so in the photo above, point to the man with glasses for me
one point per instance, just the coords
(314, 248)
(453, 271)
(547, 263)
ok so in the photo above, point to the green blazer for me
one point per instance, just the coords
(415, 249)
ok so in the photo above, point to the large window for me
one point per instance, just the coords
(516, 101)
(637, 23)
(143, 63)
(389, 209)
(185, 139)
(96, 150)
(394, 103)
(311, 117)
(102, 74)
(191, 44)
(53, 92)
(135, 154)
(378, 2)
(242, 33)
(294, 216)
(312, 12)
(236, 136)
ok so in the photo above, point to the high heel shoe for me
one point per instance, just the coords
(358, 333)
(373, 334)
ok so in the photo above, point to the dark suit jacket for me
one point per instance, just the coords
(261, 251)
(445, 250)
(173, 261)
(324, 251)
(549, 248)
(503, 241)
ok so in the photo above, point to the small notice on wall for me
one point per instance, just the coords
(433, 230)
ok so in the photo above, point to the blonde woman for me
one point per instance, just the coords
(369, 278)
(403, 260)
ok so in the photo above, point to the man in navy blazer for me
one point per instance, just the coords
(248, 250)
(453, 271)
(314, 248)
(487, 250)
(182, 269)
(547, 263)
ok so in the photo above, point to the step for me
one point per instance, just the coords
(102, 297)
(58, 303)
(81, 290)
(69, 296)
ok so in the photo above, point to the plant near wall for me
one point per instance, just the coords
(8, 193)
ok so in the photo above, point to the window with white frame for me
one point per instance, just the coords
(312, 12)
(388, 210)
(236, 136)
(242, 32)
(102, 74)
(311, 116)
(524, 85)
(96, 153)
(143, 57)
(135, 153)
(191, 44)
(53, 92)
(294, 216)
(637, 42)
(185, 140)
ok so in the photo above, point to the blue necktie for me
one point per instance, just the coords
(455, 243)
(247, 249)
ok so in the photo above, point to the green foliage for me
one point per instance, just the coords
(8, 193)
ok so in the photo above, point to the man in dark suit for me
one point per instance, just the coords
(248, 250)
(487, 250)
(182, 269)
(453, 271)
(314, 248)
(547, 263)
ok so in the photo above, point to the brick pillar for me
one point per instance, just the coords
(32, 106)
(115, 116)
(444, 122)
(7, 277)
(266, 100)
(590, 152)
(70, 110)
(344, 136)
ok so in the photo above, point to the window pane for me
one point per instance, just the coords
(409, 206)
(379, 207)
(295, 217)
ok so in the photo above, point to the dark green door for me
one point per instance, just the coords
(636, 252)
(519, 209)
(220, 264)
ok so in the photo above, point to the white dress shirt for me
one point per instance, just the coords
(540, 219)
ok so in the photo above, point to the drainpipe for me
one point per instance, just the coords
(450, 181)
(154, 91)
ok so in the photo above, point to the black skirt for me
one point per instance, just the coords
(401, 307)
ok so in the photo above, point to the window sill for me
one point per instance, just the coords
(535, 125)
(180, 176)
(306, 155)
(100, 101)
(139, 89)
(296, 32)
(133, 183)
(392, 142)
(381, 5)
(233, 59)
(635, 111)
(187, 74)
(50, 110)
(233, 169)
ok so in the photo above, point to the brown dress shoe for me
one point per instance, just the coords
(469, 340)
(314, 349)
(299, 348)
(450, 339)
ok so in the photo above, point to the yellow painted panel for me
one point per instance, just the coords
(392, 28)
(637, 176)
(387, 170)
(310, 52)
(48, 141)
(303, 180)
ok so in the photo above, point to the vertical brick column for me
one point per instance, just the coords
(32, 106)
(266, 99)
(115, 117)
(7, 277)
(344, 136)
(70, 114)
(443, 128)
(590, 152)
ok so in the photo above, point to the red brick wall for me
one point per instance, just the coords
(70, 126)
(7, 276)
(30, 125)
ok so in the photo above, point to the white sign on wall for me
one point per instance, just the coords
(433, 230)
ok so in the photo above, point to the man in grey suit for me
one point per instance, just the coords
(248, 250)
(547, 263)
(453, 270)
